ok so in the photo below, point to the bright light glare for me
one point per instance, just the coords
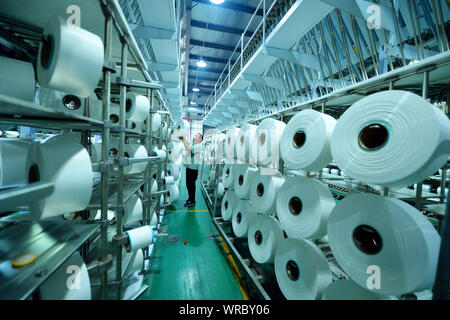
(196, 89)
(217, 1)
(201, 64)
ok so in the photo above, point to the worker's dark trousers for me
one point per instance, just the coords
(191, 177)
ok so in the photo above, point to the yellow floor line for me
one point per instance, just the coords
(234, 267)
(188, 211)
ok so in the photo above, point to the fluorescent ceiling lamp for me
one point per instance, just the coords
(196, 89)
(217, 1)
(193, 103)
(201, 64)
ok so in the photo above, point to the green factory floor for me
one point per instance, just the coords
(197, 270)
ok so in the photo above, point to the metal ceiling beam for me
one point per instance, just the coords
(148, 32)
(213, 80)
(192, 84)
(220, 28)
(213, 45)
(210, 59)
(211, 70)
(233, 6)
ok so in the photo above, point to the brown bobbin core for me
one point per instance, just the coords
(373, 136)
(367, 239)
(292, 270)
(295, 206)
(299, 139)
(258, 237)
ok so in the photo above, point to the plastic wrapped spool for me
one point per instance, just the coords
(135, 151)
(156, 122)
(69, 282)
(243, 213)
(268, 135)
(229, 201)
(376, 140)
(301, 270)
(264, 190)
(366, 230)
(305, 143)
(228, 175)
(133, 210)
(220, 190)
(13, 160)
(110, 215)
(137, 107)
(230, 145)
(70, 59)
(17, 79)
(139, 238)
(69, 168)
(303, 208)
(347, 289)
(173, 193)
(183, 124)
(243, 176)
(264, 236)
(246, 144)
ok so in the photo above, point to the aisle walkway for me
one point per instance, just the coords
(195, 270)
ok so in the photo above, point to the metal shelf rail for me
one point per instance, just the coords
(115, 188)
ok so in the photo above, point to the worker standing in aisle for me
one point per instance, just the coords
(192, 161)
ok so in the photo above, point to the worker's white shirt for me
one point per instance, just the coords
(193, 158)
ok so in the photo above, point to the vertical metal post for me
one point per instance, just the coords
(148, 170)
(105, 157)
(426, 80)
(120, 183)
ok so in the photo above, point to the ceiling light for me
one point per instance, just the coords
(217, 1)
(193, 103)
(201, 64)
(196, 89)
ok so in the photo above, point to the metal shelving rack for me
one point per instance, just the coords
(114, 190)
(426, 78)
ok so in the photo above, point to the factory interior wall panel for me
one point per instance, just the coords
(197, 270)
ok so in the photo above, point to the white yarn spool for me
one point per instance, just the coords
(13, 159)
(303, 208)
(243, 177)
(69, 282)
(305, 143)
(220, 190)
(367, 230)
(17, 79)
(169, 180)
(229, 201)
(70, 58)
(156, 122)
(246, 144)
(139, 238)
(264, 236)
(301, 269)
(230, 145)
(376, 140)
(174, 193)
(133, 210)
(347, 289)
(59, 163)
(137, 107)
(228, 175)
(264, 190)
(268, 135)
(243, 213)
(135, 151)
